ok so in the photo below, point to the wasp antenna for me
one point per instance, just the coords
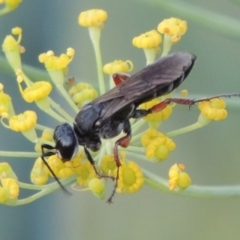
(55, 177)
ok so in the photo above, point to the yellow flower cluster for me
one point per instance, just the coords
(157, 145)
(213, 109)
(82, 93)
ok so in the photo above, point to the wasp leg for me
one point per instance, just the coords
(48, 154)
(139, 113)
(123, 142)
(120, 77)
(90, 159)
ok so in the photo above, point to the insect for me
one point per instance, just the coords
(108, 115)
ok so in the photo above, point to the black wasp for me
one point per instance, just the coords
(108, 115)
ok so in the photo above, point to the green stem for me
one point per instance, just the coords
(46, 190)
(195, 191)
(202, 121)
(60, 110)
(95, 33)
(19, 154)
(67, 98)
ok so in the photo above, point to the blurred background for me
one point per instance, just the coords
(211, 154)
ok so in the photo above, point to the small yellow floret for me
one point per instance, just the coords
(97, 186)
(12, 4)
(59, 168)
(178, 178)
(10, 44)
(23, 121)
(12, 185)
(36, 92)
(108, 165)
(82, 93)
(213, 109)
(151, 39)
(16, 31)
(174, 27)
(118, 66)
(5, 101)
(85, 173)
(131, 178)
(53, 62)
(94, 17)
(157, 145)
(39, 173)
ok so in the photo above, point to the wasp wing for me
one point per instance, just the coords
(156, 79)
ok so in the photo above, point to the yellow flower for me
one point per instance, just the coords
(151, 39)
(94, 17)
(11, 4)
(149, 42)
(130, 178)
(213, 109)
(23, 122)
(53, 62)
(59, 168)
(36, 92)
(12, 49)
(85, 173)
(39, 173)
(178, 178)
(118, 66)
(82, 93)
(173, 27)
(5, 101)
(12, 185)
(97, 186)
(157, 145)
(4, 195)
(108, 165)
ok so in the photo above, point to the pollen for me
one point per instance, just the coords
(118, 66)
(174, 27)
(23, 121)
(131, 178)
(94, 17)
(213, 109)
